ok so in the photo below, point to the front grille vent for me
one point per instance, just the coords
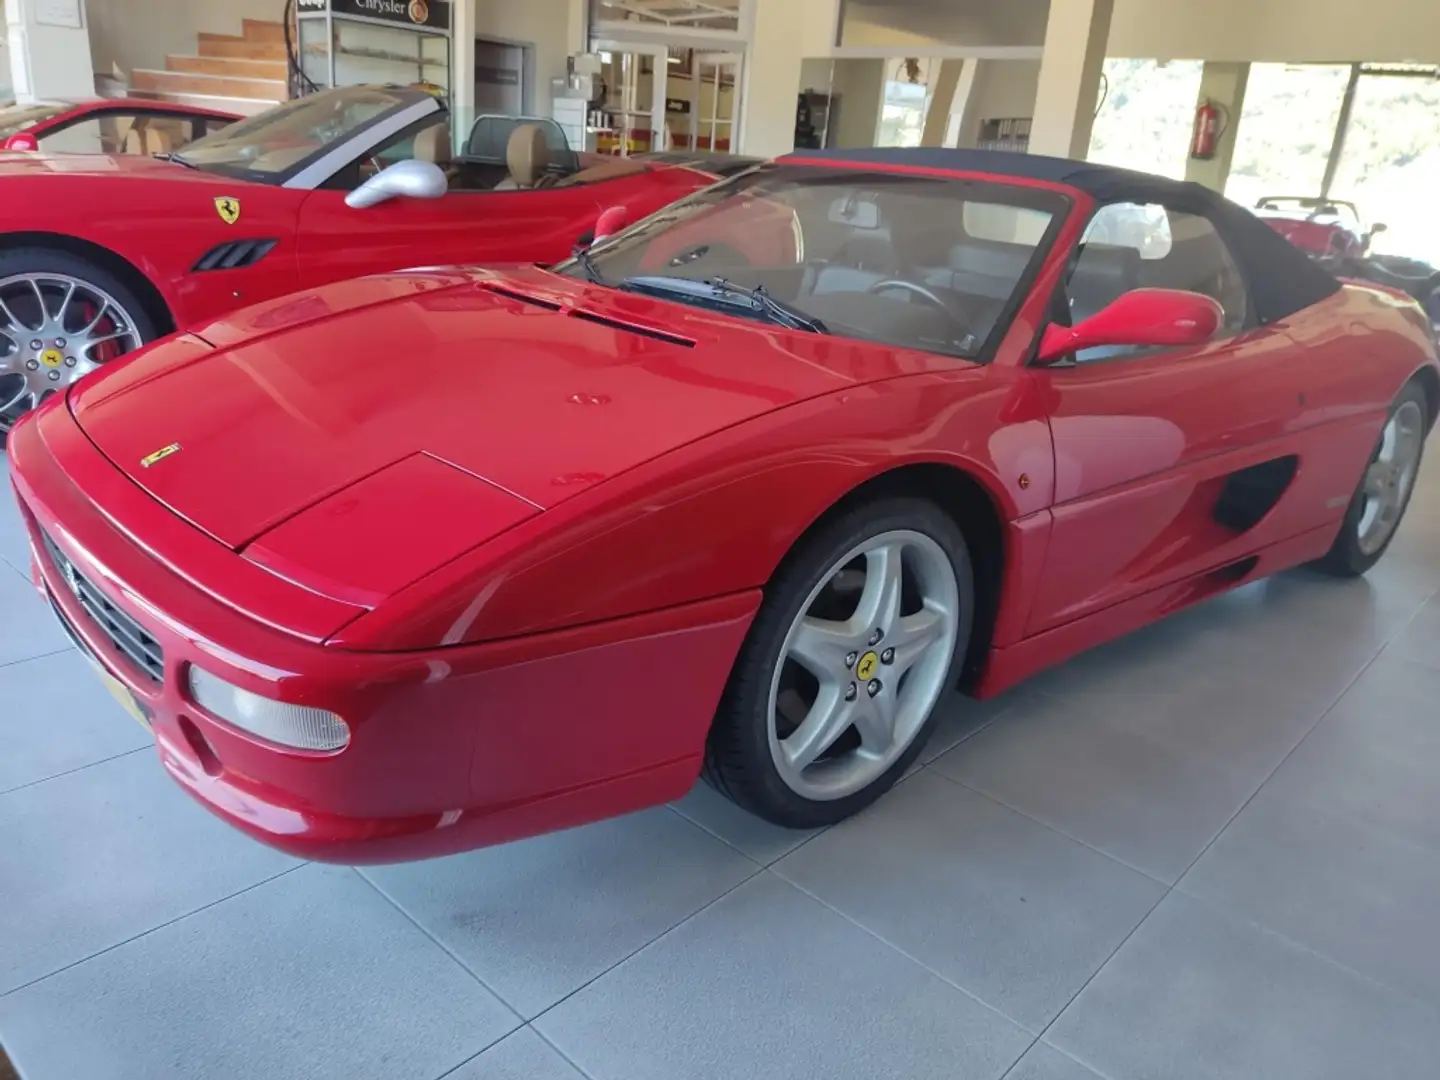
(234, 255)
(126, 635)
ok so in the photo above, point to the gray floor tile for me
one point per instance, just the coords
(1136, 799)
(94, 857)
(961, 717)
(539, 918)
(1375, 756)
(1042, 1062)
(1346, 890)
(1420, 640)
(56, 716)
(314, 976)
(522, 1055)
(1197, 994)
(739, 828)
(27, 627)
(14, 541)
(1011, 910)
(769, 983)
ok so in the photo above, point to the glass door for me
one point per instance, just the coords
(632, 119)
(715, 102)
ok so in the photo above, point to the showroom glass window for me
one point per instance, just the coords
(1148, 246)
(929, 263)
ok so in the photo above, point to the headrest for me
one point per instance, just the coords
(433, 144)
(527, 155)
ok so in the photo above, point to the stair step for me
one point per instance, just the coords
(263, 30)
(237, 48)
(179, 82)
(238, 106)
(235, 67)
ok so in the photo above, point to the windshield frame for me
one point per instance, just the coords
(323, 162)
(1054, 200)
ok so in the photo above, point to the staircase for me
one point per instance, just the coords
(244, 74)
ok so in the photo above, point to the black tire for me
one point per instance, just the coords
(1345, 557)
(738, 760)
(41, 260)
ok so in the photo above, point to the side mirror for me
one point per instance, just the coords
(1154, 317)
(405, 179)
(23, 141)
(611, 222)
(1378, 228)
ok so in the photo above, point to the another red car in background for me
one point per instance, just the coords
(1330, 232)
(438, 559)
(102, 253)
(107, 126)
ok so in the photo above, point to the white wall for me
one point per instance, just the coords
(1002, 89)
(139, 33)
(549, 26)
(883, 23)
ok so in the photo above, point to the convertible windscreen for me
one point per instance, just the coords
(268, 147)
(927, 263)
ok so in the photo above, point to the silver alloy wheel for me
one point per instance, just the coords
(51, 326)
(1391, 475)
(863, 665)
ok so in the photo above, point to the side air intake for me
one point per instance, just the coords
(233, 255)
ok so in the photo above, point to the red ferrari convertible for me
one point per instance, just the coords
(743, 489)
(101, 253)
(107, 126)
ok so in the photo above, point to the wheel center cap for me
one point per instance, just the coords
(52, 358)
(866, 665)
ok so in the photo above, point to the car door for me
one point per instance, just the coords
(1167, 461)
(474, 222)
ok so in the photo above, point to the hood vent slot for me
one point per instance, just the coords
(632, 328)
(233, 255)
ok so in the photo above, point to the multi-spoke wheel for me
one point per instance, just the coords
(1384, 491)
(835, 689)
(60, 319)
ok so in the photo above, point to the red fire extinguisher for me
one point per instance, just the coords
(1206, 133)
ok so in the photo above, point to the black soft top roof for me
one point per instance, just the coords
(1282, 279)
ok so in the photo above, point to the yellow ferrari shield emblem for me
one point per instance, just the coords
(159, 455)
(52, 358)
(866, 667)
(228, 208)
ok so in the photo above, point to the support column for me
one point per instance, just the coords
(462, 64)
(945, 101)
(783, 33)
(49, 50)
(1075, 37)
(1223, 85)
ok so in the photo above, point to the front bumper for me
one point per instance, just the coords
(450, 749)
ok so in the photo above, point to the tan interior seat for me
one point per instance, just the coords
(527, 156)
(433, 144)
(144, 138)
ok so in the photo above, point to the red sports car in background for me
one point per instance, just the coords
(744, 488)
(1330, 232)
(107, 126)
(100, 254)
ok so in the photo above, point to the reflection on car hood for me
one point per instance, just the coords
(542, 390)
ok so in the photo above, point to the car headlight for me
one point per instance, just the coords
(299, 726)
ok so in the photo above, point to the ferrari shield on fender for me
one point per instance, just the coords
(228, 208)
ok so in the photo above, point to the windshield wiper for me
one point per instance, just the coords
(587, 263)
(778, 310)
(726, 292)
(176, 158)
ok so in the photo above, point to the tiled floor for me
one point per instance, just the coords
(1211, 850)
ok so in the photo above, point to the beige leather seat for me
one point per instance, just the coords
(144, 139)
(527, 156)
(433, 144)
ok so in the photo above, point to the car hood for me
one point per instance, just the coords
(407, 417)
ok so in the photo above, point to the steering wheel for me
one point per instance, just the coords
(912, 287)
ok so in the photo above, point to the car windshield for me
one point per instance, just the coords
(278, 142)
(18, 118)
(916, 261)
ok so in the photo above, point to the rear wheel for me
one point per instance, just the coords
(61, 317)
(1384, 491)
(834, 692)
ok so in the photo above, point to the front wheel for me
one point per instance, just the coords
(834, 691)
(61, 317)
(1384, 491)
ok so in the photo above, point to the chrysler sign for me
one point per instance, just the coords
(430, 14)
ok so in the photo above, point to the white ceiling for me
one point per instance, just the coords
(713, 14)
